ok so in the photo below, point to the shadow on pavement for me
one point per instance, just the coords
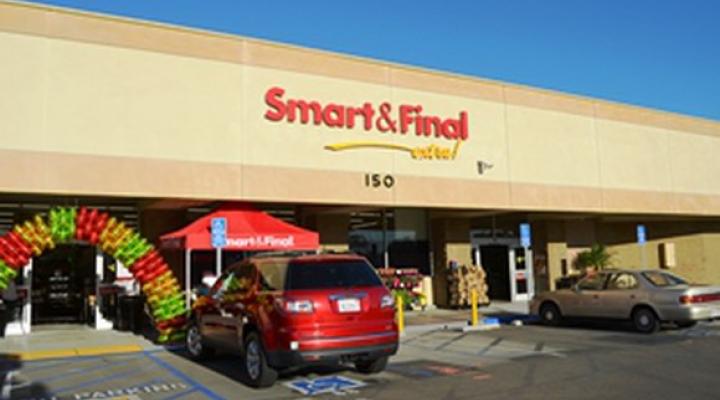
(231, 366)
(12, 384)
(602, 325)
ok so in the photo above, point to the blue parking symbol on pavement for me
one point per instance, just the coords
(326, 384)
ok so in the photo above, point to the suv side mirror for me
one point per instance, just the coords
(576, 288)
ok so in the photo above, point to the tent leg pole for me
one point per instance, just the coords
(218, 262)
(188, 261)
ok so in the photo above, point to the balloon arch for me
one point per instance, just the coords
(147, 266)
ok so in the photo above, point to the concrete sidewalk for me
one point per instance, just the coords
(71, 341)
(503, 312)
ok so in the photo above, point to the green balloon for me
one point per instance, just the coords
(62, 224)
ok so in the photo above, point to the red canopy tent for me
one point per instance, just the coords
(247, 229)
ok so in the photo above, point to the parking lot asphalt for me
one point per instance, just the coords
(589, 361)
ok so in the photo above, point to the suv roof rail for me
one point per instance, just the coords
(289, 253)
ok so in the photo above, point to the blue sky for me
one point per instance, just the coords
(654, 53)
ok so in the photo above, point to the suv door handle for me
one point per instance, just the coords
(596, 296)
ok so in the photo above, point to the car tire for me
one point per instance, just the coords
(645, 320)
(194, 343)
(685, 324)
(373, 366)
(258, 372)
(550, 314)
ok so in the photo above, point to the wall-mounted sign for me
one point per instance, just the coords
(525, 235)
(641, 234)
(383, 118)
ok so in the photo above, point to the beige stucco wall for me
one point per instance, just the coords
(94, 105)
(696, 244)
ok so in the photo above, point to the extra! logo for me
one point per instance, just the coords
(384, 118)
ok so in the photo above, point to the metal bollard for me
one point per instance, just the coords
(400, 314)
(474, 300)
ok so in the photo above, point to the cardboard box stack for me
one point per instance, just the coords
(462, 280)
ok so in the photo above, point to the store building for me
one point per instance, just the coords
(410, 167)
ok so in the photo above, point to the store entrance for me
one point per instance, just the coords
(507, 265)
(62, 282)
(495, 260)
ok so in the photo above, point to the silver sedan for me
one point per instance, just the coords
(646, 297)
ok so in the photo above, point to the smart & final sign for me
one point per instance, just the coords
(383, 118)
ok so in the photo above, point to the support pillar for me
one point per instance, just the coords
(451, 243)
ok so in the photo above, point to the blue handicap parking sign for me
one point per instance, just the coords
(218, 231)
(218, 225)
(525, 235)
(641, 234)
(326, 384)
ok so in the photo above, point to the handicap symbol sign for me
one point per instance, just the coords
(328, 384)
(218, 225)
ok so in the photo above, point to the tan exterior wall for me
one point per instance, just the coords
(163, 112)
(696, 244)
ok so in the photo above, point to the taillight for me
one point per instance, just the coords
(387, 301)
(298, 306)
(701, 298)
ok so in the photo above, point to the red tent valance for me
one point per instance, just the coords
(247, 229)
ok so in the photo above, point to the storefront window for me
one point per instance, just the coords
(394, 238)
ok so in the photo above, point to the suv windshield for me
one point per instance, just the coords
(662, 279)
(327, 275)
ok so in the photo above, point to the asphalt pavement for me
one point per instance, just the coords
(588, 361)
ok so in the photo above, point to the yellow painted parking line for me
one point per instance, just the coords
(99, 350)
(77, 352)
(44, 354)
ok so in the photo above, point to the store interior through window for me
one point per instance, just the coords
(394, 238)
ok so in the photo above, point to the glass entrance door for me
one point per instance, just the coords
(521, 274)
(508, 267)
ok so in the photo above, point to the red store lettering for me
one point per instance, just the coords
(333, 115)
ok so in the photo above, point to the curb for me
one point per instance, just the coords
(435, 327)
(74, 352)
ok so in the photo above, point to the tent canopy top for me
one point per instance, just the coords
(247, 229)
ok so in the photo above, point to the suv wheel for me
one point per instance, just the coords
(645, 320)
(258, 372)
(373, 366)
(550, 314)
(194, 343)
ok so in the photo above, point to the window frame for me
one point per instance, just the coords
(285, 265)
(602, 275)
(614, 276)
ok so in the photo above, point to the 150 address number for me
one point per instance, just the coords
(379, 181)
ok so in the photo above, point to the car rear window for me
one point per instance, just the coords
(662, 279)
(328, 275)
(272, 275)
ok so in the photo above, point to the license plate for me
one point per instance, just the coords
(348, 305)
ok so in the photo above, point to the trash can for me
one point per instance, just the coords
(132, 314)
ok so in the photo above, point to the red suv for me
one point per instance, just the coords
(281, 312)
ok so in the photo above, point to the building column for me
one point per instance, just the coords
(557, 263)
(450, 243)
